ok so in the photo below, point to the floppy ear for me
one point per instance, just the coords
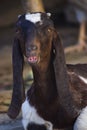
(61, 78)
(59, 58)
(18, 89)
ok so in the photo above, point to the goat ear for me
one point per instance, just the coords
(18, 89)
(58, 48)
(62, 79)
(59, 64)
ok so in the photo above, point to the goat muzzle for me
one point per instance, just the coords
(32, 54)
(33, 59)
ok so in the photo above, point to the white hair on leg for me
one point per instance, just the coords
(30, 115)
(81, 122)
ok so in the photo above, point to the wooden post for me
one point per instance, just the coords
(33, 5)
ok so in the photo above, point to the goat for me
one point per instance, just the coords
(58, 96)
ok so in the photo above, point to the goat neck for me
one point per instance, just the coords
(44, 79)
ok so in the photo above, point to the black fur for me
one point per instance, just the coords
(33, 126)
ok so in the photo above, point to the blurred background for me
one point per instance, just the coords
(69, 17)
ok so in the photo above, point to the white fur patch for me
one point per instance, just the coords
(81, 122)
(33, 17)
(30, 114)
(83, 79)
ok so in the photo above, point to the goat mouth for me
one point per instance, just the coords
(33, 59)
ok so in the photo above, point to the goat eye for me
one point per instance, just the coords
(49, 30)
(17, 31)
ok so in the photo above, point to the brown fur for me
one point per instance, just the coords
(57, 92)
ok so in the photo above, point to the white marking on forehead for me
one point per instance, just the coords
(83, 79)
(81, 121)
(29, 114)
(33, 17)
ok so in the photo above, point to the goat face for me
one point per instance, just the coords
(35, 37)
